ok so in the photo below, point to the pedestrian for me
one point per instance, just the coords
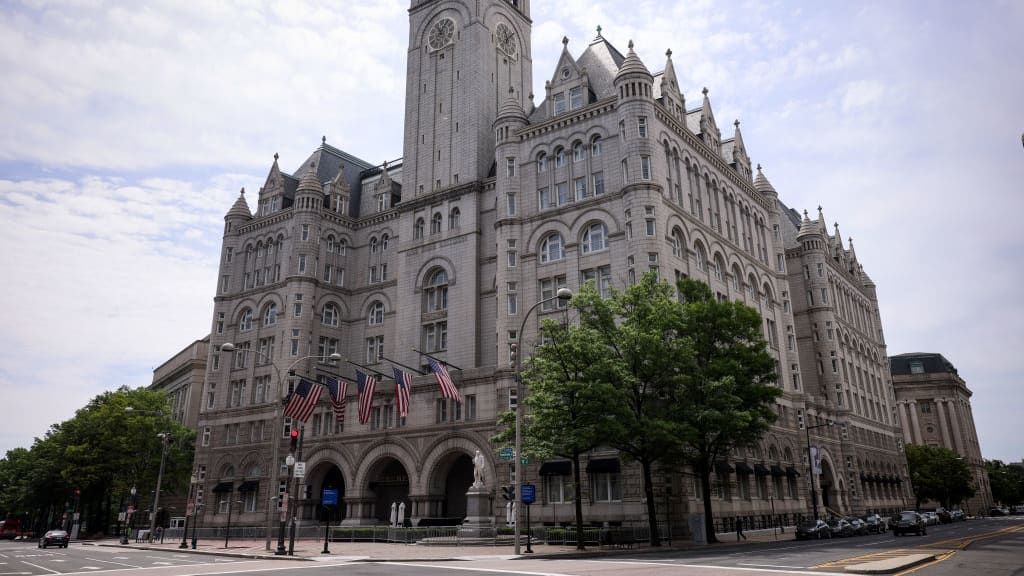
(739, 529)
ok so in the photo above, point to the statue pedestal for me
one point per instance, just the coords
(479, 522)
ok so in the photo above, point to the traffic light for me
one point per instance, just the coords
(508, 492)
(294, 442)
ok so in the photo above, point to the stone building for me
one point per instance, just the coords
(497, 203)
(935, 405)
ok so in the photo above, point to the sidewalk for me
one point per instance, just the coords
(380, 551)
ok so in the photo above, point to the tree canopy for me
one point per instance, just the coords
(1006, 481)
(938, 474)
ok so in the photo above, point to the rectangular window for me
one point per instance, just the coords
(511, 202)
(558, 489)
(562, 193)
(206, 436)
(435, 336)
(441, 410)
(645, 167)
(780, 262)
(224, 284)
(548, 289)
(576, 98)
(604, 281)
(544, 198)
(216, 362)
(580, 186)
(649, 228)
(598, 179)
(220, 323)
(821, 269)
(305, 231)
(374, 349)
(302, 264)
(625, 171)
(513, 299)
(606, 486)
(469, 402)
(641, 126)
(295, 342)
(510, 167)
(559, 103)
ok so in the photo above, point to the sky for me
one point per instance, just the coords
(129, 128)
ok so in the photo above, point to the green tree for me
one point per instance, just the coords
(640, 331)
(1006, 481)
(938, 474)
(567, 402)
(724, 398)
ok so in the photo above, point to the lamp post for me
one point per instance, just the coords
(231, 506)
(129, 524)
(165, 440)
(810, 464)
(189, 511)
(195, 521)
(564, 295)
(275, 439)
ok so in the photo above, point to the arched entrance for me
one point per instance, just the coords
(449, 482)
(827, 483)
(325, 475)
(389, 482)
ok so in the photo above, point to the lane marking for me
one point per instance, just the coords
(472, 569)
(40, 567)
(774, 566)
(716, 567)
(112, 562)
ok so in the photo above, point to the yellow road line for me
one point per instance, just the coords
(866, 558)
(948, 548)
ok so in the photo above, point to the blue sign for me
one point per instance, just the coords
(506, 453)
(527, 493)
(330, 497)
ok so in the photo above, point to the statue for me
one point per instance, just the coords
(478, 470)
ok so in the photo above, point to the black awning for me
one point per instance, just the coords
(889, 479)
(790, 471)
(223, 487)
(559, 468)
(722, 467)
(777, 470)
(863, 477)
(876, 478)
(743, 468)
(761, 470)
(249, 486)
(899, 480)
(603, 465)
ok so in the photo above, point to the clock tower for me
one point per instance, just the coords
(464, 59)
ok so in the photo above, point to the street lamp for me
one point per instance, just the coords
(130, 522)
(276, 440)
(810, 463)
(563, 295)
(189, 511)
(231, 506)
(165, 440)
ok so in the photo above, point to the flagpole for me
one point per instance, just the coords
(404, 366)
(445, 362)
(377, 372)
(338, 376)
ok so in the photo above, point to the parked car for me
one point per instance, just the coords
(55, 537)
(910, 521)
(930, 518)
(840, 527)
(957, 515)
(875, 524)
(945, 516)
(996, 512)
(860, 528)
(816, 529)
(1018, 509)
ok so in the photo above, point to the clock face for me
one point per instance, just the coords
(441, 34)
(506, 39)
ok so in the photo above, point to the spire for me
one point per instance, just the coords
(837, 239)
(762, 185)
(708, 128)
(511, 109)
(385, 179)
(853, 253)
(806, 227)
(240, 209)
(670, 83)
(821, 221)
(340, 184)
(632, 65)
(309, 180)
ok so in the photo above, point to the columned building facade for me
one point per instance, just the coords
(935, 405)
(499, 201)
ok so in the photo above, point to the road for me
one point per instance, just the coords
(992, 547)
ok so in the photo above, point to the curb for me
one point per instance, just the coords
(889, 566)
(201, 552)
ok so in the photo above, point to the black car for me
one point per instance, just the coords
(910, 521)
(55, 537)
(813, 530)
(875, 524)
(840, 527)
(860, 527)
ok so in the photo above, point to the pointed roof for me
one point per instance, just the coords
(738, 136)
(511, 109)
(706, 115)
(339, 184)
(240, 209)
(762, 185)
(310, 181)
(807, 226)
(602, 62)
(632, 65)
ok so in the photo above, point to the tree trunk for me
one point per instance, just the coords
(577, 489)
(652, 511)
(705, 479)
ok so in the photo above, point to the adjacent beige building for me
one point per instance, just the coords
(501, 198)
(935, 405)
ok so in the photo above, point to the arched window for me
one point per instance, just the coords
(228, 472)
(737, 279)
(384, 242)
(376, 317)
(330, 243)
(595, 146)
(453, 218)
(542, 162)
(246, 322)
(436, 291)
(752, 288)
(559, 157)
(417, 230)
(551, 248)
(270, 316)
(702, 257)
(435, 223)
(595, 238)
(254, 471)
(787, 455)
(373, 245)
(678, 243)
(342, 246)
(719, 267)
(577, 151)
(330, 315)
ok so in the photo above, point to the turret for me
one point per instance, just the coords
(238, 214)
(310, 193)
(633, 79)
(709, 131)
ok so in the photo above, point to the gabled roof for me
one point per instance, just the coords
(602, 62)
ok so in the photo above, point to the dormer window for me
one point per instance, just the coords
(576, 98)
(558, 102)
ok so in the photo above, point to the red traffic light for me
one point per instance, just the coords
(294, 434)
(77, 492)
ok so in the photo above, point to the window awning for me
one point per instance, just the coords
(777, 470)
(249, 486)
(559, 468)
(743, 468)
(599, 465)
(722, 467)
(863, 477)
(761, 470)
(223, 487)
(790, 471)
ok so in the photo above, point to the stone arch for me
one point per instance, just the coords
(427, 268)
(373, 454)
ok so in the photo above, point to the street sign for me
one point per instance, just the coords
(300, 469)
(506, 453)
(330, 497)
(525, 460)
(528, 493)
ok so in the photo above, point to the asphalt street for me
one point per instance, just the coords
(991, 547)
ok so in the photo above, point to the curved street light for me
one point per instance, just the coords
(564, 295)
(276, 443)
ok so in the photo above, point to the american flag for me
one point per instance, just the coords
(403, 384)
(337, 389)
(366, 385)
(302, 401)
(444, 380)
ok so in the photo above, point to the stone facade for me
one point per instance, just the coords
(935, 406)
(497, 203)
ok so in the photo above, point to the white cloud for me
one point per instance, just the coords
(862, 93)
